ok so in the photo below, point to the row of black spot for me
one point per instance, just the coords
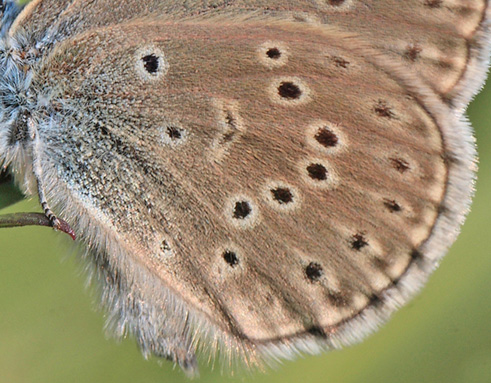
(313, 270)
(282, 195)
(327, 138)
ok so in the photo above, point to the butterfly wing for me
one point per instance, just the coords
(445, 41)
(267, 184)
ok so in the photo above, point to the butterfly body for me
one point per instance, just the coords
(243, 174)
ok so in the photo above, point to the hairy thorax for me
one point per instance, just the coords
(22, 108)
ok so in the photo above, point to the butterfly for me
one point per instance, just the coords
(260, 178)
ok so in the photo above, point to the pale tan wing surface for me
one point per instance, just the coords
(445, 41)
(278, 184)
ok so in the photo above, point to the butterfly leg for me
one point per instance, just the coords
(54, 221)
(47, 211)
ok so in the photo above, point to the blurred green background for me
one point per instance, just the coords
(51, 331)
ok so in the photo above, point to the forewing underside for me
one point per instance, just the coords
(445, 41)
